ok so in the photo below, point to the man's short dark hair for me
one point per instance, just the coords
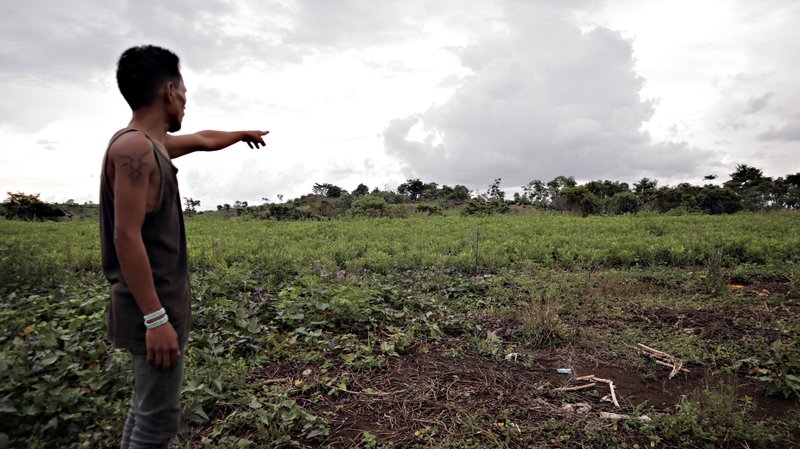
(141, 71)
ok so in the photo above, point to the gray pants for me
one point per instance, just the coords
(155, 411)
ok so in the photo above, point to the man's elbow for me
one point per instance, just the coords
(205, 141)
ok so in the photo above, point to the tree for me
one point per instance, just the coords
(459, 194)
(481, 206)
(580, 199)
(191, 205)
(624, 203)
(413, 188)
(745, 177)
(606, 189)
(430, 191)
(555, 186)
(537, 194)
(328, 190)
(645, 189)
(494, 192)
(376, 207)
(790, 194)
(666, 199)
(20, 206)
(361, 190)
(644, 186)
(755, 190)
(718, 200)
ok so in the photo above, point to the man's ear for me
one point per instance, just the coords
(169, 92)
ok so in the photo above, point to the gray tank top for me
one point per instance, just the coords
(164, 239)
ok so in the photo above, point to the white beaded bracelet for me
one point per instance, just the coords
(154, 314)
(157, 322)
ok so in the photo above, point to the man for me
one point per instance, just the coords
(143, 241)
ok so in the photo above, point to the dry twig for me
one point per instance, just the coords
(610, 387)
(594, 379)
(664, 359)
(577, 388)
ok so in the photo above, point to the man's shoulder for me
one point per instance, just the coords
(133, 141)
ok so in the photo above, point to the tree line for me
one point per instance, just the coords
(747, 189)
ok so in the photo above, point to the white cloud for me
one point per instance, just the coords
(546, 100)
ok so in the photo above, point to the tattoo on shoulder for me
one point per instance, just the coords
(135, 165)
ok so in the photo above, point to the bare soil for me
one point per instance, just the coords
(447, 385)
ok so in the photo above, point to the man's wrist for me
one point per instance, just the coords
(155, 314)
(154, 324)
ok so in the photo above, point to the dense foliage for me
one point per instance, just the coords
(342, 297)
(748, 189)
(19, 206)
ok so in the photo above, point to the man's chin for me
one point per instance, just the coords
(174, 127)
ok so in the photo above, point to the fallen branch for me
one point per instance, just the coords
(610, 387)
(577, 388)
(668, 365)
(652, 351)
(594, 379)
(664, 359)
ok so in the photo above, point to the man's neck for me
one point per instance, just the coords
(151, 123)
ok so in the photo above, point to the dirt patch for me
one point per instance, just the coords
(719, 323)
(460, 393)
(663, 393)
(437, 389)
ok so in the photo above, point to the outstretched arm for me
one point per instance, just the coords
(178, 146)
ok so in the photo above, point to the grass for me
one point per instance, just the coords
(389, 333)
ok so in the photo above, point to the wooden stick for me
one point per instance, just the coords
(613, 394)
(652, 351)
(577, 388)
(595, 379)
(662, 358)
(676, 368)
(669, 365)
(611, 388)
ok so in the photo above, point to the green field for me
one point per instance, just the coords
(426, 332)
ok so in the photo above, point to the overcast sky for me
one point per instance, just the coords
(451, 91)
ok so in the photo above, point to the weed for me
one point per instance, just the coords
(794, 279)
(491, 344)
(778, 367)
(541, 324)
(715, 281)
